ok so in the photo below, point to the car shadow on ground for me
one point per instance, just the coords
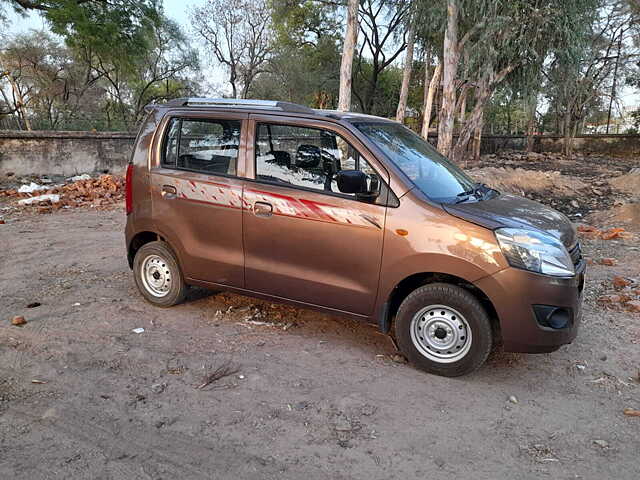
(320, 327)
(194, 294)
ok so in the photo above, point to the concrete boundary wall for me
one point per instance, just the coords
(70, 153)
(64, 153)
(614, 145)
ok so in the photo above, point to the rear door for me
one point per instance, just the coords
(304, 240)
(196, 189)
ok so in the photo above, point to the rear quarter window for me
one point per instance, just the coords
(202, 145)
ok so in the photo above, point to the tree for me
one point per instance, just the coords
(156, 72)
(388, 84)
(430, 23)
(408, 66)
(116, 29)
(485, 41)
(305, 63)
(580, 75)
(36, 82)
(165, 71)
(451, 58)
(348, 50)
(48, 85)
(45, 5)
(239, 35)
(381, 21)
(430, 87)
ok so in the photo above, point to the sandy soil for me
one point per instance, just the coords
(314, 396)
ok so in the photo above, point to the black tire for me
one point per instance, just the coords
(175, 287)
(458, 300)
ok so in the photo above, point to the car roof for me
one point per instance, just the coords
(271, 106)
(352, 116)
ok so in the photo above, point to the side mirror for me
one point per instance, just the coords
(358, 182)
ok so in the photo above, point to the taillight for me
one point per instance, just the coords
(128, 189)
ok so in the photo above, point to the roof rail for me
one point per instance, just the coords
(239, 103)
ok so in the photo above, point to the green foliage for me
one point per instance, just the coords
(305, 65)
(577, 74)
(84, 85)
(118, 32)
(507, 113)
(118, 55)
(117, 29)
(304, 22)
(385, 101)
(635, 115)
(307, 75)
(430, 25)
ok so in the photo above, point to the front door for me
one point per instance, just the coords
(303, 239)
(197, 195)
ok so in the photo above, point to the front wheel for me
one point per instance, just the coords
(443, 329)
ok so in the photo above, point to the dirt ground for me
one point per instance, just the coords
(313, 396)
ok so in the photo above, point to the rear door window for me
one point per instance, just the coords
(202, 145)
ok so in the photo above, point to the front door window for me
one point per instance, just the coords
(304, 157)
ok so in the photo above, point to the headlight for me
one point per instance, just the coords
(535, 251)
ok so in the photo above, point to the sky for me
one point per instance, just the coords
(178, 10)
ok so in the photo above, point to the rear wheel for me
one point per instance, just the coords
(443, 329)
(157, 275)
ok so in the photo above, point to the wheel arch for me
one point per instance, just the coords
(416, 280)
(137, 241)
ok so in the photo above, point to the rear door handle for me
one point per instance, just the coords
(262, 209)
(169, 192)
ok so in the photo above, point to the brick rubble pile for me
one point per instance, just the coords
(100, 192)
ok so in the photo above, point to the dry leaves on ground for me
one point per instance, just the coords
(589, 231)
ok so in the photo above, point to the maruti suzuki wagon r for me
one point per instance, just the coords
(350, 214)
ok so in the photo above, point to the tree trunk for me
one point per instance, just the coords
(568, 139)
(477, 138)
(19, 103)
(373, 88)
(350, 40)
(428, 98)
(245, 90)
(474, 120)
(450, 71)
(234, 88)
(531, 122)
(406, 74)
(463, 107)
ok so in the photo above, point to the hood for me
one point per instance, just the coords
(507, 210)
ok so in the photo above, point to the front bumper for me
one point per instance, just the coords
(513, 293)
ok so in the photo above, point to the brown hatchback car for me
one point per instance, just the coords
(353, 215)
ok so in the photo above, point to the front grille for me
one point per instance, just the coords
(576, 254)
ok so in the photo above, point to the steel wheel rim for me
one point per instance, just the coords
(155, 275)
(441, 333)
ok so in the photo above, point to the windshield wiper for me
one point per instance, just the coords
(479, 190)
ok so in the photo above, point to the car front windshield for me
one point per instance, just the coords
(432, 173)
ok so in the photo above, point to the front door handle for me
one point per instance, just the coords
(262, 209)
(169, 192)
